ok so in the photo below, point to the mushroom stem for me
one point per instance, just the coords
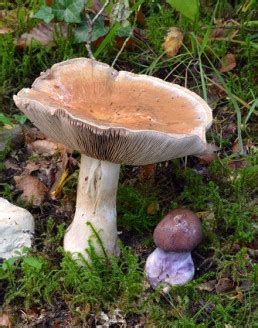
(169, 268)
(96, 204)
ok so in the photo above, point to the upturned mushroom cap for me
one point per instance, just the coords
(119, 117)
(179, 231)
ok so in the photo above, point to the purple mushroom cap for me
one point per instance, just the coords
(179, 231)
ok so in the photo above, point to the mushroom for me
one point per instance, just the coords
(111, 118)
(175, 236)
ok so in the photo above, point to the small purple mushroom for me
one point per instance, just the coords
(175, 236)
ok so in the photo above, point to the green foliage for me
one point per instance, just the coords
(68, 10)
(35, 279)
(45, 13)
(99, 30)
(188, 8)
(5, 120)
(30, 278)
(227, 196)
(20, 118)
(132, 209)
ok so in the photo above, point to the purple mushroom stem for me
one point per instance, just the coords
(169, 268)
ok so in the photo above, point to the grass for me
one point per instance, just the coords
(224, 197)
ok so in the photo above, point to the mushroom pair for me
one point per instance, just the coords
(175, 237)
(112, 118)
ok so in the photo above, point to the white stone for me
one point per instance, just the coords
(16, 229)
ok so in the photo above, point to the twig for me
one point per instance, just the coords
(91, 23)
(122, 48)
(100, 12)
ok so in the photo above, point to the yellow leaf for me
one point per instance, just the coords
(173, 41)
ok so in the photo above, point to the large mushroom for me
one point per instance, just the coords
(112, 118)
(175, 237)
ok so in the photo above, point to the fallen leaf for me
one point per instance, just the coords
(235, 147)
(34, 191)
(45, 147)
(4, 30)
(246, 285)
(239, 295)
(248, 145)
(9, 18)
(87, 308)
(173, 41)
(114, 317)
(153, 208)
(228, 63)
(208, 155)
(10, 163)
(224, 285)
(67, 205)
(253, 253)
(236, 164)
(11, 136)
(59, 183)
(146, 172)
(43, 33)
(5, 320)
(227, 325)
(207, 286)
(32, 134)
(224, 29)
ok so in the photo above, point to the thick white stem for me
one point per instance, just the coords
(96, 204)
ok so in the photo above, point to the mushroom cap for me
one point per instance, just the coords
(179, 231)
(119, 117)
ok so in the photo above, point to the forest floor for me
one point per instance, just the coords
(46, 288)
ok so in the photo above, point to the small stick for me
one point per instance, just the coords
(90, 23)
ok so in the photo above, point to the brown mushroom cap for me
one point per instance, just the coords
(179, 231)
(116, 116)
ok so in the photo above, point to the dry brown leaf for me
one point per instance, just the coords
(227, 325)
(153, 208)
(228, 63)
(45, 147)
(173, 41)
(248, 145)
(34, 191)
(87, 308)
(67, 205)
(43, 33)
(208, 155)
(32, 134)
(239, 295)
(10, 163)
(146, 172)
(236, 164)
(253, 253)
(207, 286)
(4, 30)
(5, 320)
(224, 285)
